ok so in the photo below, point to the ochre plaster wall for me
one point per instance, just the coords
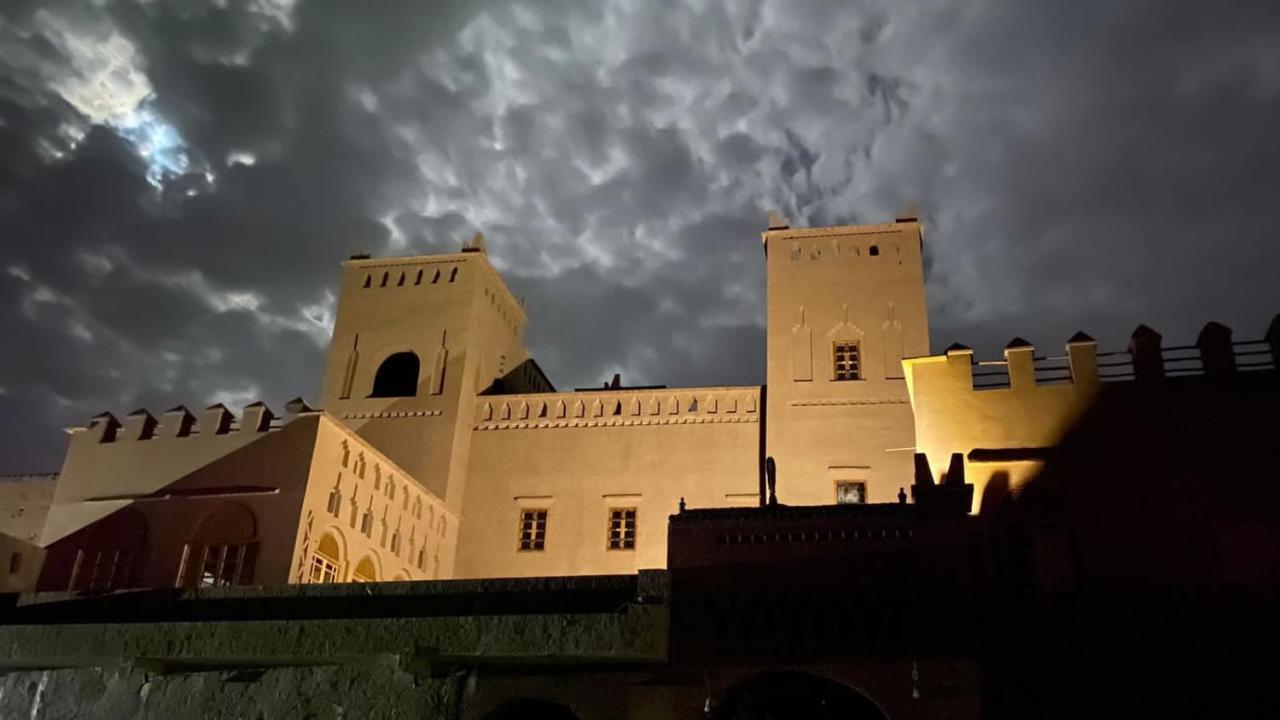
(578, 461)
(100, 475)
(951, 416)
(826, 285)
(267, 476)
(24, 505)
(420, 517)
(466, 324)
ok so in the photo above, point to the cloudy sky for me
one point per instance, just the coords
(180, 179)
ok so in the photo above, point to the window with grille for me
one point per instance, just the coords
(851, 493)
(323, 569)
(102, 570)
(846, 361)
(220, 565)
(533, 530)
(622, 528)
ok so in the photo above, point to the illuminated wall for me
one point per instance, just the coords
(860, 288)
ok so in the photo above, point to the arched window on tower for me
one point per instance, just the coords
(397, 376)
(222, 548)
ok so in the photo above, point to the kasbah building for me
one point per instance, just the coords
(910, 534)
(442, 450)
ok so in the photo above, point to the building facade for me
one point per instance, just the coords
(443, 451)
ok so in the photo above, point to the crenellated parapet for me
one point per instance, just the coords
(179, 422)
(1214, 353)
(619, 408)
(1003, 415)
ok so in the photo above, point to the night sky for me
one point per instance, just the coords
(181, 179)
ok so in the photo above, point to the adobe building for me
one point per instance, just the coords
(442, 451)
(1045, 534)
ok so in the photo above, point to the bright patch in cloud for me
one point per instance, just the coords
(107, 83)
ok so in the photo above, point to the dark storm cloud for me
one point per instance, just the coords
(181, 179)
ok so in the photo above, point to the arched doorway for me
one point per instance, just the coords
(790, 694)
(529, 709)
(397, 376)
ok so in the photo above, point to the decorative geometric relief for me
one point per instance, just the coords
(711, 405)
(488, 412)
(349, 374)
(891, 337)
(635, 406)
(559, 408)
(655, 406)
(578, 408)
(751, 403)
(438, 369)
(597, 408)
(673, 406)
(524, 411)
(731, 405)
(801, 350)
(506, 412)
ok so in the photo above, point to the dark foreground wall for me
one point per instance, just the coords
(592, 648)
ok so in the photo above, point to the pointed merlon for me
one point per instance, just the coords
(1016, 343)
(1081, 337)
(297, 406)
(958, 348)
(1142, 331)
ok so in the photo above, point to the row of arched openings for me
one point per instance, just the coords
(221, 551)
(327, 562)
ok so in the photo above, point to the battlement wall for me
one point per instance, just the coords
(1026, 402)
(618, 408)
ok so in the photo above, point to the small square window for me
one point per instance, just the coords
(533, 530)
(622, 528)
(846, 359)
(851, 493)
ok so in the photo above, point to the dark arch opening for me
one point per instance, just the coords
(795, 694)
(397, 376)
(875, 250)
(525, 708)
